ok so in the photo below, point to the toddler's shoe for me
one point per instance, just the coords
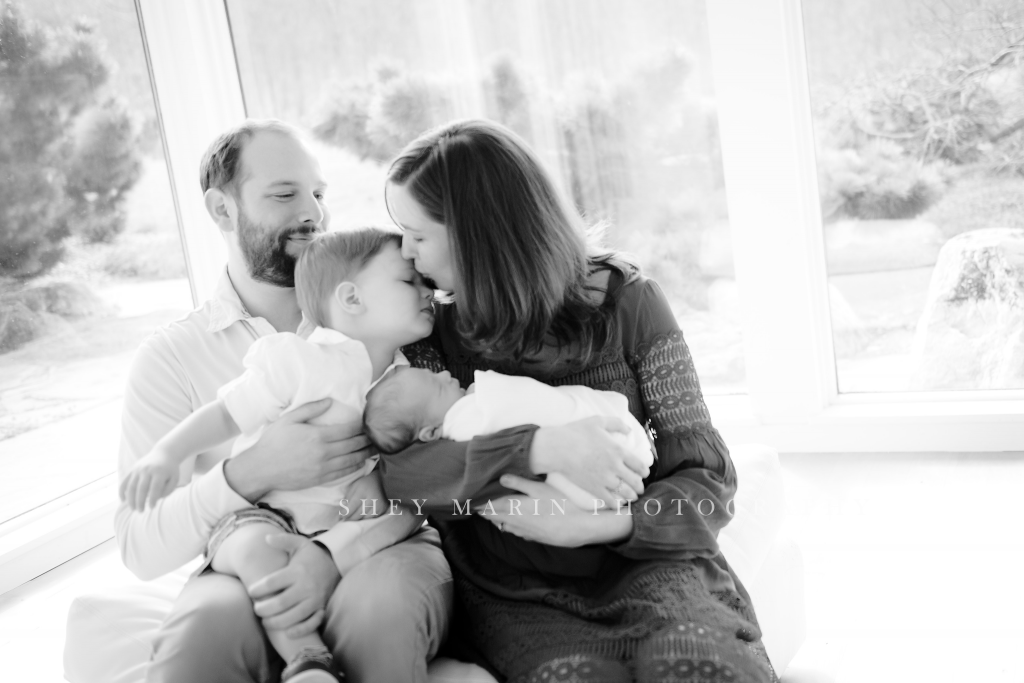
(311, 666)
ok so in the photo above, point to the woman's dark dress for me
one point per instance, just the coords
(662, 605)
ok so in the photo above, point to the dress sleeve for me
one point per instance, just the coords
(687, 499)
(434, 476)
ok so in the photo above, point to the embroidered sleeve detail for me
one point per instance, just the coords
(423, 354)
(669, 385)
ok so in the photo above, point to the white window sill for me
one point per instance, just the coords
(862, 423)
(36, 542)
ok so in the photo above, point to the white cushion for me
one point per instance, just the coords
(760, 508)
(109, 634)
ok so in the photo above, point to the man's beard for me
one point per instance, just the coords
(266, 252)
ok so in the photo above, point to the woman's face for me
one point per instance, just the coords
(424, 240)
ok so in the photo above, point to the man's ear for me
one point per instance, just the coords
(222, 208)
(429, 433)
(347, 296)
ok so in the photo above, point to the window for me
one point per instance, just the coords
(748, 87)
(90, 254)
(918, 109)
(616, 97)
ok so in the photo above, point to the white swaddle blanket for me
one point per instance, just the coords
(501, 401)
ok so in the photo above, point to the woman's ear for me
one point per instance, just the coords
(222, 207)
(429, 433)
(347, 296)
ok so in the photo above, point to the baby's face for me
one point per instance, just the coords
(429, 394)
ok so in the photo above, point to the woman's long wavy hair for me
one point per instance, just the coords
(521, 258)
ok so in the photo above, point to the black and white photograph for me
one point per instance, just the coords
(711, 368)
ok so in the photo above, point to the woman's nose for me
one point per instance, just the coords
(408, 252)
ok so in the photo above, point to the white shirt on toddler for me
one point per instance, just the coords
(284, 371)
(500, 401)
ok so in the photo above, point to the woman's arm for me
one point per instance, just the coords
(688, 497)
(434, 476)
(689, 492)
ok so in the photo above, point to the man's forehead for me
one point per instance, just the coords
(277, 158)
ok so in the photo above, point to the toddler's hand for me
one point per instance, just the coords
(152, 478)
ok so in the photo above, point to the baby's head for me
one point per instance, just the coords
(357, 282)
(408, 404)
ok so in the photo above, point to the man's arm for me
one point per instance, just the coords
(166, 536)
(156, 475)
(174, 531)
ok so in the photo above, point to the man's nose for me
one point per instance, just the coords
(311, 211)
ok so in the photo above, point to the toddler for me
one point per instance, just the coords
(411, 404)
(367, 302)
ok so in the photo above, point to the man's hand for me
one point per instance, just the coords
(543, 523)
(589, 457)
(152, 478)
(293, 599)
(292, 454)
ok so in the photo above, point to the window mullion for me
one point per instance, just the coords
(198, 95)
(767, 149)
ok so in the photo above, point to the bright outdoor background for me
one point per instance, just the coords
(90, 259)
(919, 118)
(919, 122)
(615, 95)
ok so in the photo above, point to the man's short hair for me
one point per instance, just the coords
(221, 164)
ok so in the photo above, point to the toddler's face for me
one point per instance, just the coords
(398, 304)
(427, 393)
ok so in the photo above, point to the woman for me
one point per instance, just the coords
(640, 593)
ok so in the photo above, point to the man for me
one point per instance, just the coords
(386, 618)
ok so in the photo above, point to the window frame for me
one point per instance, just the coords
(793, 402)
(770, 173)
(758, 52)
(197, 94)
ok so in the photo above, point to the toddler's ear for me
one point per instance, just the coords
(430, 433)
(347, 296)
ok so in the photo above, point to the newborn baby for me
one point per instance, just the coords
(413, 404)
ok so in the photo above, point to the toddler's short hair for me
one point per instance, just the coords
(332, 258)
(386, 421)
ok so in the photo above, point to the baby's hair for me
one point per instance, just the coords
(332, 258)
(386, 421)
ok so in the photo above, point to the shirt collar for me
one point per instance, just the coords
(324, 335)
(226, 308)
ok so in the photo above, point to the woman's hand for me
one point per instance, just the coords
(585, 452)
(534, 517)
